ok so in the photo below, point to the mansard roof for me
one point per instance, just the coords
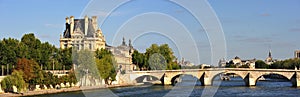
(80, 23)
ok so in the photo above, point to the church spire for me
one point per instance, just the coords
(270, 54)
(123, 42)
(130, 45)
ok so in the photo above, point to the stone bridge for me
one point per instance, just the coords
(206, 76)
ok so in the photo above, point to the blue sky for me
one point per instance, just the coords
(251, 27)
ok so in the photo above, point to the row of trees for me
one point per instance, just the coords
(24, 61)
(29, 57)
(31, 48)
(284, 64)
(100, 64)
(155, 58)
(28, 73)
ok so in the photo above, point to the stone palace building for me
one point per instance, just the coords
(82, 34)
(85, 34)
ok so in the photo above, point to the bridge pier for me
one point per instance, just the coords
(166, 80)
(205, 80)
(296, 79)
(249, 80)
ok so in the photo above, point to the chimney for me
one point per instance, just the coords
(72, 25)
(94, 20)
(86, 23)
(67, 20)
(67, 28)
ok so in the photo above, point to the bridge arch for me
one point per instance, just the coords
(175, 79)
(269, 73)
(288, 76)
(147, 79)
(240, 74)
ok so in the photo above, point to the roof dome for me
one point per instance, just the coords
(236, 57)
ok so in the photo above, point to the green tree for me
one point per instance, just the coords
(164, 51)
(38, 78)
(244, 66)
(18, 80)
(64, 58)
(138, 59)
(3, 54)
(106, 65)
(72, 77)
(157, 62)
(48, 78)
(167, 52)
(15, 79)
(47, 50)
(85, 60)
(261, 64)
(33, 45)
(286, 64)
(102, 52)
(10, 51)
(173, 66)
(7, 83)
(106, 68)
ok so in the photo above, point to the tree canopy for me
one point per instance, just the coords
(15, 79)
(155, 58)
(86, 63)
(106, 65)
(286, 64)
(261, 64)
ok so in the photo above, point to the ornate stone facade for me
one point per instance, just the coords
(82, 34)
(85, 34)
(122, 55)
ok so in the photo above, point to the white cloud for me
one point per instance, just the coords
(54, 25)
(265, 14)
(294, 30)
(103, 13)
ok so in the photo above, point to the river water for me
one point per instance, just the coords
(189, 86)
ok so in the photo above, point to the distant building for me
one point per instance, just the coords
(185, 63)
(297, 54)
(202, 66)
(123, 56)
(269, 59)
(82, 34)
(238, 62)
(222, 63)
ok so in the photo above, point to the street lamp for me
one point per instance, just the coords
(52, 57)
